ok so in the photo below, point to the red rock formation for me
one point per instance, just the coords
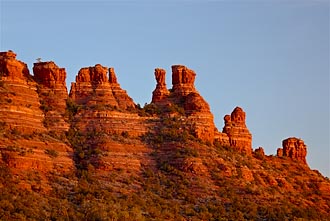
(238, 134)
(294, 148)
(183, 80)
(279, 152)
(53, 93)
(26, 141)
(92, 87)
(19, 101)
(124, 101)
(49, 75)
(184, 95)
(259, 153)
(94, 75)
(161, 92)
(12, 69)
(112, 76)
(160, 75)
(199, 113)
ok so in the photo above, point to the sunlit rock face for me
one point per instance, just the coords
(160, 94)
(237, 132)
(53, 94)
(32, 108)
(184, 95)
(19, 100)
(293, 148)
(93, 86)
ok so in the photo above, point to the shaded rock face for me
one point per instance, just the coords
(93, 87)
(293, 148)
(112, 76)
(260, 151)
(184, 95)
(53, 94)
(279, 152)
(235, 132)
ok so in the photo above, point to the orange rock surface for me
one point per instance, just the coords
(161, 92)
(293, 148)
(12, 69)
(93, 87)
(235, 132)
(53, 94)
(19, 100)
(95, 148)
(184, 95)
(25, 103)
(38, 104)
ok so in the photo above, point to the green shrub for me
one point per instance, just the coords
(52, 153)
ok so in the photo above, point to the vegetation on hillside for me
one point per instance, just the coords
(190, 180)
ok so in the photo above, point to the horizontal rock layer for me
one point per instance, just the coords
(40, 104)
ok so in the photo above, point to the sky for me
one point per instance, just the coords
(270, 57)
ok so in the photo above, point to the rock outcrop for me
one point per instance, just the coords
(259, 152)
(19, 100)
(105, 106)
(50, 75)
(161, 92)
(235, 132)
(12, 69)
(184, 95)
(78, 154)
(183, 80)
(93, 87)
(100, 106)
(27, 103)
(235, 127)
(53, 94)
(293, 148)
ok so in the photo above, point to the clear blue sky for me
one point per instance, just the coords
(270, 57)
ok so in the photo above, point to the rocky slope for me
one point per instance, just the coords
(30, 110)
(96, 155)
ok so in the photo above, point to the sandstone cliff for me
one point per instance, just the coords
(19, 101)
(53, 94)
(30, 108)
(93, 87)
(184, 95)
(101, 105)
(95, 155)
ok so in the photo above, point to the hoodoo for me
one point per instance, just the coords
(293, 148)
(96, 155)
